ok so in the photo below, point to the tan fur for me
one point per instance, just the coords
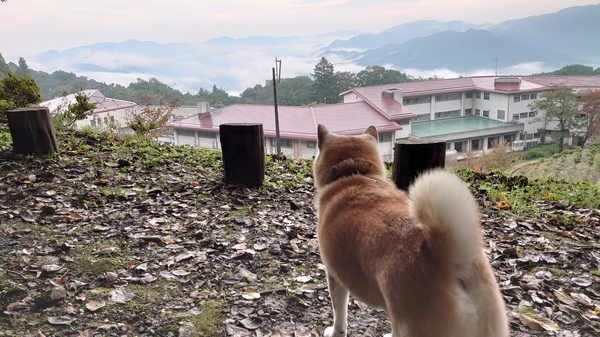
(409, 254)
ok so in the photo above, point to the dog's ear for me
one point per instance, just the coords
(322, 132)
(371, 130)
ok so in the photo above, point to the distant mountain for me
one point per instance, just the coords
(400, 33)
(540, 43)
(557, 39)
(461, 52)
(574, 30)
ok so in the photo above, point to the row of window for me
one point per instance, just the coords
(458, 95)
(477, 144)
(201, 134)
(524, 97)
(98, 120)
(285, 143)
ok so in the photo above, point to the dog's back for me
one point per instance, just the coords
(420, 257)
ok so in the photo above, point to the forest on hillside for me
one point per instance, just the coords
(323, 86)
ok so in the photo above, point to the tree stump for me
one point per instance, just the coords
(32, 131)
(243, 154)
(413, 156)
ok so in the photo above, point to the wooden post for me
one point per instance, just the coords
(243, 154)
(32, 131)
(413, 156)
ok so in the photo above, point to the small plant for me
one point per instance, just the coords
(152, 119)
(74, 111)
(5, 138)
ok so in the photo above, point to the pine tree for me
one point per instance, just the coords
(325, 83)
(23, 69)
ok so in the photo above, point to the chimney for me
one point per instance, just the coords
(393, 93)
(203, 107)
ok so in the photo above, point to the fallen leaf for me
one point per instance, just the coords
(250, 294)
(534, 320)
(95, 304)
(62, 320)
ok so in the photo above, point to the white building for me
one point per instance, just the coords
(108, 111)
(469, 113)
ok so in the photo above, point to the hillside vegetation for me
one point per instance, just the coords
(576, 165)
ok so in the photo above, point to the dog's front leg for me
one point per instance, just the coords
(339, 301)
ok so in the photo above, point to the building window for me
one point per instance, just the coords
(448, 97)
(424, 117)
(416, 100)
(524, 97)
(477, 94)
(501, 114)
(112, 119)
(93, 122)
(486, 113)
(460, 146)
(186, 133)
(469, 94)
(477, 112)
(207, 134)
(493, 142)
(517, 98)
(507, 139)
(537, 135)
(531, 113)
(447, 114)
(284, 142)
(533, 96)
(515, 117)
(311, 144)
(476, 144)
(105, 120)
(385, 137)
(468, 112)
(486, 95)
(523, 115)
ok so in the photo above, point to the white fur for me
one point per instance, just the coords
(445, 200)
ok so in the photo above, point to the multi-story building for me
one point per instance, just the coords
(470, 114)
(108, 111)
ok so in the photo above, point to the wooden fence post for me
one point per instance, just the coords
(243, 154)
(32, 131)
(413, 156)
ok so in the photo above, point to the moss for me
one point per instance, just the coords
(86, 266)
(210, 320)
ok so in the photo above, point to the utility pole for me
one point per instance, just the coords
(276, 78)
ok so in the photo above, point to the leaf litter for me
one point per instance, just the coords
(151, 242)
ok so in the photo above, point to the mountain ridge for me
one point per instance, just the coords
(542, 42)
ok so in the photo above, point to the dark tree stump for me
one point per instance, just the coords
(243, 154)
(32, 131)
(411, 157)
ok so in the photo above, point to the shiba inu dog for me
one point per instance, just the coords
(418, 255)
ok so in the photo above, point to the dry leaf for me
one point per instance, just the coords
(95, 304)
(534, 320)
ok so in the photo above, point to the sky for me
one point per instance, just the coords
(30, 27)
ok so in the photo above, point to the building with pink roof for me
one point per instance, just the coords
(108, 110)
(469, 113)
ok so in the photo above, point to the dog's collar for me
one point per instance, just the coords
(335, 175)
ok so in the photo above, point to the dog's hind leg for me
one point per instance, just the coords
(339, 301)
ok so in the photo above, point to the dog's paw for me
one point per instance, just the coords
(330, 332)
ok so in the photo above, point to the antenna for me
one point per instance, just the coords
(278, 69)
(496, 59)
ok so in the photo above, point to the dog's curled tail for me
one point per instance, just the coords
(443, 202)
